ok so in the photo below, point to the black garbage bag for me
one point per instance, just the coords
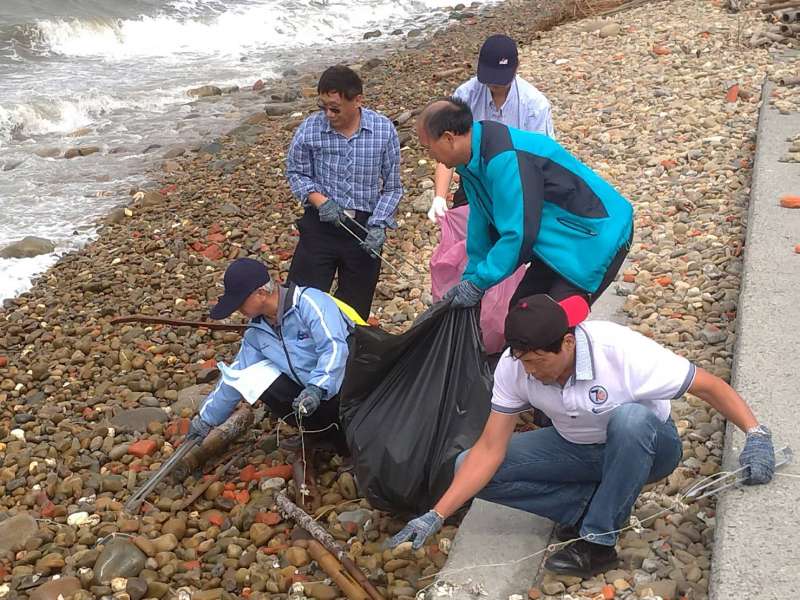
(411, 403)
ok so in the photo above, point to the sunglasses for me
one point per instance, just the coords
(330, 109)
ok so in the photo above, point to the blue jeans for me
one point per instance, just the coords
(546, 475)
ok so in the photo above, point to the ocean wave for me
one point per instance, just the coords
(189, 30)
(48, 115)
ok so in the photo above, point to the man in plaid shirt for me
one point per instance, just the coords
(344, 166)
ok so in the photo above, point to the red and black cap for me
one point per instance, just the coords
(536, 322)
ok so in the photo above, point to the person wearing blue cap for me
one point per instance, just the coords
(297, 331)
(496, 93)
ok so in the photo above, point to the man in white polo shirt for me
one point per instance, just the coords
(607, 390)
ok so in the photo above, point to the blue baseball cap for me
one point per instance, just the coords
(242, 277)
(498, 60)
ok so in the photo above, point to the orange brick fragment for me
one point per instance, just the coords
(191, 564)
(790, 201)
(797, 249)
(664, 281)
(142, 448)
(283, 471)
(268, 518)
(629, 278)
(3, 361)
(213, 252)
(661, 50)
(609, 592)
(732, 94)
(216, 519)
(216, 237)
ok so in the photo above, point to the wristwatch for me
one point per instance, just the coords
(759, 430)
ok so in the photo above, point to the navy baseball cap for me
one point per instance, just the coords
(497, 61)
(242, 277)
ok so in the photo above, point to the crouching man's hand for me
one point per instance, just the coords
(759, 455)
(308, 400)
(419, 530)
(198, 429)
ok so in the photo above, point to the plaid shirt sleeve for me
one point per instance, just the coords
(300, 165)
(383, 214)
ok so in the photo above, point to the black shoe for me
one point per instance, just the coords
(582, 559)
(566, 533)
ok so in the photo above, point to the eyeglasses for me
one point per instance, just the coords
(330, 109)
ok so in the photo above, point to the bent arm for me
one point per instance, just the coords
(723, 398)
(481, 463)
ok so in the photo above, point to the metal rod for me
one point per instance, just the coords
(402, 258)
(370, 250)
(722, 481)
(133, 505)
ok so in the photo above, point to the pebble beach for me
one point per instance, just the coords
(661, 99)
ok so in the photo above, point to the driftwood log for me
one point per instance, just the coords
(768, 8)
(320, 534)
(341, 577)
(179, 323)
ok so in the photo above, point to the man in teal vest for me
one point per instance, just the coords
(531, 201)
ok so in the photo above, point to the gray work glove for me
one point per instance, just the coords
(463, 295)
(198, 429)
(331, 212)
(308, 400)
(373, 243)
(759, 455)
(418, 530)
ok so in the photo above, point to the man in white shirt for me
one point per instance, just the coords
(497, 93)
(607, 390)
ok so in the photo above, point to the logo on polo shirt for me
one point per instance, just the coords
(598, 394)
(503, 61)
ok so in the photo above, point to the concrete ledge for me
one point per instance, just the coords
(756, 554)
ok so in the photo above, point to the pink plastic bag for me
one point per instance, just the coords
(448, 263)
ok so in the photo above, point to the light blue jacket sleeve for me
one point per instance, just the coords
(516, 212)
(329, 329)
(222, 401)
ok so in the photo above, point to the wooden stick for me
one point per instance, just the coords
(774, 7)
(447, 73)
(320, 534)
(304, 475)
(346, 582)
(179, 323)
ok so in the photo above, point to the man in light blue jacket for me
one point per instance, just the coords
(295, 347)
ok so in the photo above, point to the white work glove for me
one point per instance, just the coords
(437, 209)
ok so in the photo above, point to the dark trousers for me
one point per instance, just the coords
(278, 398)
(541, 279)
(324, 251)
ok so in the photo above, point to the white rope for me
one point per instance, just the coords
(677, 504)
